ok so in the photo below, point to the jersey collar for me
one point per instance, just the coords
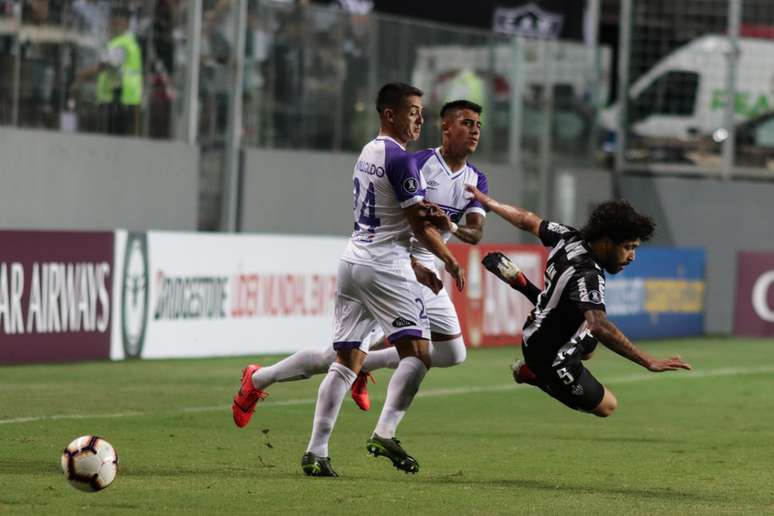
(382, 137)
(445, 166)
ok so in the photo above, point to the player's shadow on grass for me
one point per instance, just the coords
(564, 437)
(612, 439)
(29, 466)
(544, 485)
(16, 466)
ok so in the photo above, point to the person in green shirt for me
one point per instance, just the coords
(119, 78)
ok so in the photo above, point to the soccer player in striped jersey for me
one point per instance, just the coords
(572, 304)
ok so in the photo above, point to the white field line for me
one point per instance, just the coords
(427, 393)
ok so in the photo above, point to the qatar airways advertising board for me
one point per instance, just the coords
(55, 296)
(196, 295)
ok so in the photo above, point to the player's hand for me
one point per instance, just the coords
(437, 217)
(477, 194)
(502, 267)
(457, 273)
(669, 364)
(426, 277)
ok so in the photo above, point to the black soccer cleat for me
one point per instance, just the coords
(315, 466)
(392, 449)
(502, 267)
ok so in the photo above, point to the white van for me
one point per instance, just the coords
(684, 95)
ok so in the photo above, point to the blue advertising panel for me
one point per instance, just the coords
(660, 295)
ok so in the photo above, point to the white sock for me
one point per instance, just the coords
(447, 353)
(379, 359)
(298, 366)
(329, 397)
(404, 384)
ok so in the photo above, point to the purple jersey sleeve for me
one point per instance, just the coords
(482, 185)
(402, 170)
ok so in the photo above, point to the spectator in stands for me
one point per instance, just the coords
(119, 78)
(7, 62)
(356, 116)
(288, 58)
(322, 93)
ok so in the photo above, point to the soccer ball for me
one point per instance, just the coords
(90, 463)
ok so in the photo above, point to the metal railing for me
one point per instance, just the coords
(228, 74)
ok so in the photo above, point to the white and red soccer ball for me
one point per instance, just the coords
(90, 463)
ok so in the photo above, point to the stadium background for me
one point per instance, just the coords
(214, 228)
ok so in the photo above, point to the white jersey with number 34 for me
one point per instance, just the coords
(386, 180)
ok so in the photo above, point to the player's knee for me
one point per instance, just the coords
(318, 360)
(448, 353)
(607, 406)
(414, 348)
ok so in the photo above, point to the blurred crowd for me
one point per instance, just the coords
(119, 67)
(305, 72)
(87, 65)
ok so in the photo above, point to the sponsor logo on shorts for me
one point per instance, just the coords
(410, 185)
(400, 322)
(577, 389)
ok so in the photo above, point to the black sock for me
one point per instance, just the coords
(529, 290)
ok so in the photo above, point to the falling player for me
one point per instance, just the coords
(571, 307)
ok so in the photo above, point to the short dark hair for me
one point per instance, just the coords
(457, 105)
(619, 221)
(392, 95)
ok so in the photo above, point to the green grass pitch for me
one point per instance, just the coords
(699, 442)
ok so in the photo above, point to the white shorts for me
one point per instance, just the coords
(443, 315)
(440, 311)
(366, 297)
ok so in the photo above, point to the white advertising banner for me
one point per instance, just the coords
(199, 294)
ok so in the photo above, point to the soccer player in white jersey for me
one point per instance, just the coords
(375, 281)
(446, 171)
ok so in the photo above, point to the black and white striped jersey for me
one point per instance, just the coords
(574, 283)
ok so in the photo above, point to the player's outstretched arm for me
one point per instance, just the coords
(519, 217)
(608, 334)
(428, 235)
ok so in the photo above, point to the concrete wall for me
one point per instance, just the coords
(722, 217)
(63, 181)
(309, 193)
(67, 181)
(302, 192)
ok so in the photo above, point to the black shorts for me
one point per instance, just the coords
(564, 377)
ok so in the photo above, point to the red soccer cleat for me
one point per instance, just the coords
(522, 373)
(360, 390)
(245, 400)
